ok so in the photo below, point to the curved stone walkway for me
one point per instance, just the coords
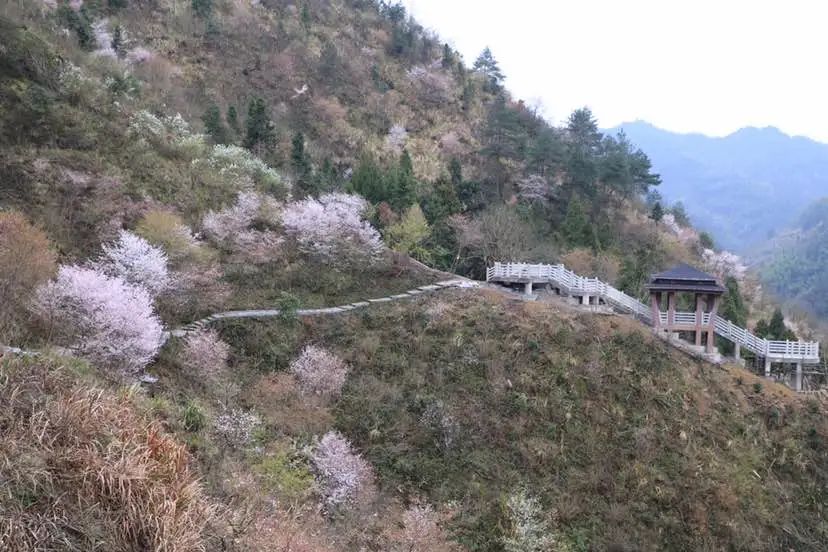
(268, 313)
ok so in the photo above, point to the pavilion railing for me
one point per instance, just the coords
(574, 284)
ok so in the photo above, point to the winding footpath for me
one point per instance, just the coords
(268, 313)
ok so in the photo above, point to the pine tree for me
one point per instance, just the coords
(233, 119)
(326, 177)
(657, 212)
(575, 228)
(213, 124)
(486, 65)
(299, 161)
(777, 328)
(448, 57)
(405, 184)
(306, 17)
(369, 180)
(441, 202)
(259, 127)
(733, 304)
(455, 172)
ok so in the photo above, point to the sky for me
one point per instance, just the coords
(687, 66)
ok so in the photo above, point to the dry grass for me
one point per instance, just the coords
(82, 470)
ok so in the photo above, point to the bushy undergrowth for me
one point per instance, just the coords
(83, 470)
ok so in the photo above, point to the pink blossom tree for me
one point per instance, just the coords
(136, 261)
(319, 371)
(231, 228)
(101, 317)
(332, 230)
(205, 353)
(341, 473)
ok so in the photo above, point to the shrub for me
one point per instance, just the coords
(529, 532)
(288, 304)
(26, 261)
(82, 470)
(102, 318)
(192, 417)
(132, 259)
(205, 354)
(238, 164)
(319, 371)
(171, 135)
(166, 229)
(340, 472)
(237, 426)
(331, 229)
(231, 229)
(420, 532)
(286, 475)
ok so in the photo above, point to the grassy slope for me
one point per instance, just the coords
(627, 443)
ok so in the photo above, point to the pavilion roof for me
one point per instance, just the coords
(683, 277)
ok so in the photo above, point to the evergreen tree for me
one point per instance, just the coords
(468, 95)
(405, 184)
(777, 328)
(306, 17)
(369, 180)
(118, 41)
(584, 146)
(326, 177)
(213, 124)
(761, 328)
(486, 65)
(680, 214)
(706, 240)
(233, 119)
(260, 131)
(504, 141)
(299, 161)
(733, 304)
(448, 57)
(455, 172)
(117, 4)
(575, 228)
(79, 22)
(657, 212)
(546, 152)
(637, 267)
(441, 202)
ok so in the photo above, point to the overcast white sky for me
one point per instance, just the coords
(690, 66)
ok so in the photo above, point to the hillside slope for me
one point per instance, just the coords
(163, 160)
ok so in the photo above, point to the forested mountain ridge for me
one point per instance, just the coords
(161, 160)
(742, 188)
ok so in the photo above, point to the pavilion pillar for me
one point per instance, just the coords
(767, 367)
(798, 386)
(699, 311)
(713, 301)
(527, 288)
(737, 351)
(671, 309)
(656, 308)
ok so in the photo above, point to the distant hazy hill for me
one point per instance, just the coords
(743, 187)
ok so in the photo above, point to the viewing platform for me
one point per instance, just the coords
(703, 322)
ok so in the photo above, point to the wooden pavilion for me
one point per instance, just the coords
(686, 286)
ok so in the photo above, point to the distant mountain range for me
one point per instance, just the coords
(742, 188)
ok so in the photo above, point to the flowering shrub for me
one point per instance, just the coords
(237, 426)
(319, 372)
(135, 261)
(724, 264)
(332, 230)
(170, 134)
(420, 532)
(139, 55)
(444, 426)
(529, 531)
(103, 38)
(205, 353)
(103, 318)
(534, 189)
(240, 164)
(340, 472)
(231, 229)
(396, 138)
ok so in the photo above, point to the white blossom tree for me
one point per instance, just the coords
(136, 261)
(237, 426)
(231, 228)
(101, 317)
(319, 371)
(530, 532)
(340, 472)
(332, 230)
(205, 353)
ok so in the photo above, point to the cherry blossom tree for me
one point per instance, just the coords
(319, 371)
(136, 261)
(332, 230)
(101, 317)
(231, 228)
(205, 353)
(340, 472)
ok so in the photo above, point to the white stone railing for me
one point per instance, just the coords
(578, 285)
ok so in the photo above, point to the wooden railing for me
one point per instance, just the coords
(574, 284)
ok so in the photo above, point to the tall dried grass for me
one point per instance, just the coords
(82, 470)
